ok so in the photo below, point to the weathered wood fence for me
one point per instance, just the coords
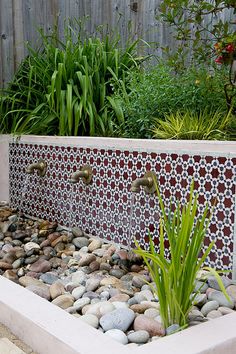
(20, 20)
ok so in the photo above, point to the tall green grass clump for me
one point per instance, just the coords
(67, 88)
(175, 278)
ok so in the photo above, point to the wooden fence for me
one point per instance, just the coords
(20, 20)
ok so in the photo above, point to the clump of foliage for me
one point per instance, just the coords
(159, 91)
(193, 126)
(66, 88)
(197, 26)
(204, 32)
(175, 278)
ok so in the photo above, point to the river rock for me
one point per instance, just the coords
(231, 290)
(17, 263)
(213, 283)
(151, 312)
(90, 319)
(27, 281)
(138, 281)
(41, 290)
(40, 266)
(77, 232)
(80, 303)
(200, 286)
(49, 278)
(200, 300)
(221, 299)
(118, 273)
(92, 284)
(5, 265)
(117, 319)
(11, 275)
(86, 259)
(56, 290)
(78, 277)
(172, 329)
(112, 281)
(150, 325)
(80, 242)
(120, 298)
(209, 306)
(139, 337)
(18, 235)
(64, 301)
(95, 265)
(31, 246)
(78, 292)
(94, 245)
(214, 314)
(117, 335)
(99, 309)
(225, 310)
(195, 315)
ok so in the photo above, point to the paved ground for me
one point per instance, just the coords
(5, 345)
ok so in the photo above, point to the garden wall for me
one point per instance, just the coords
(104, 207)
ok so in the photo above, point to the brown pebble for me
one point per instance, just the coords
(150, 325)
(5, 265)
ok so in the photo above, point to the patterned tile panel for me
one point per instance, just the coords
(106, 207)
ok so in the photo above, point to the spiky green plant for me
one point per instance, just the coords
(175, 278)
(191, 125)
(66, 88)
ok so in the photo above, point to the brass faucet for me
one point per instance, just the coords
(40, 166)
(147, 181)
(85, 173)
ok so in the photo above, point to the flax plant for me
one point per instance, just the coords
(175, 278)
(66, 87)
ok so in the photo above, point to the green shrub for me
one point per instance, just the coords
(158, 91)
(66, 88)
(191, 125)
(175, 278)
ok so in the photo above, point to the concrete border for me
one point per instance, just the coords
(214, 148)
(49, 329)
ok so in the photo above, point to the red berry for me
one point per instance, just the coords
(230, 48)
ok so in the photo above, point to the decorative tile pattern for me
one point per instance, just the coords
(104, 207)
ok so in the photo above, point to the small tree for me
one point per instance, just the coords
(205, 31)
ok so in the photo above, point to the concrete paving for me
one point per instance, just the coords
(10, 344)
(7, 347)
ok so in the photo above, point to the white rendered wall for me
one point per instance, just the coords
(51, 330)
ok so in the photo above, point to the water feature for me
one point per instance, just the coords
(131, 215)
(71, 219)
(22, 198)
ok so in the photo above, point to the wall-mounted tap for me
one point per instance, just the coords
(40, 167)
(85, 173)
(147, 181)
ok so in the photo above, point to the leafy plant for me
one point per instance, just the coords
(175, 278)
(197, 25)
(159, 91)
(66, 88)
(194, 126)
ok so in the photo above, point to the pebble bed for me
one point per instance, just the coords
(101, 284)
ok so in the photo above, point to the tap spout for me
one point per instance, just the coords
(147, 181)
(40, 167)
(85, 173)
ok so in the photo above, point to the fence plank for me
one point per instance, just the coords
(20, 19)
(7, 50)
